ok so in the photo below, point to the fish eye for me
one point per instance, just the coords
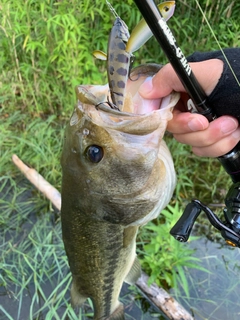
(94, 153)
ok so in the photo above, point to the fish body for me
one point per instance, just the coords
(117, 175)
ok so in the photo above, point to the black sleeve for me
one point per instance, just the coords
(225, 98)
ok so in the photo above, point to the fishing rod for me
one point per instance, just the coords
(230, 228)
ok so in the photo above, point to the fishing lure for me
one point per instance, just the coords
(118, 62)
(121, 46)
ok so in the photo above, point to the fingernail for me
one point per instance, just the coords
(229, 125)
(236, 134)
(146, 86)
(195, 124)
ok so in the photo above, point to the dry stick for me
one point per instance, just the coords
(158, 296)
(39, 182)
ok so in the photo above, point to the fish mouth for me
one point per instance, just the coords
(138, 115)
(134, 156)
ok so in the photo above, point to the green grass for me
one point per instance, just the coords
(45, 50)
(34, 277)
(160, 249)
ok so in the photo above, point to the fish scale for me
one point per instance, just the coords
(114, 247)
(103, 265)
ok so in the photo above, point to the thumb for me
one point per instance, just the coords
(162, 84)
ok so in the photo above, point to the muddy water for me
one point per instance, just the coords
(213, 295)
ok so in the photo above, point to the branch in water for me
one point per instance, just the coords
(39, 182)
(158, 296)
(162, 300)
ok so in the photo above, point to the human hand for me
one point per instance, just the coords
(207, 139)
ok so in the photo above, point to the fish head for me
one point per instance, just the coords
(111, 166)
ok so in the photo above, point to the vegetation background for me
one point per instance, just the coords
(45, 51)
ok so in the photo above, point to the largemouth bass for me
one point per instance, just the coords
(118, 174)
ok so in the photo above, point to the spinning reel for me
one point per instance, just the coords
(230, 228)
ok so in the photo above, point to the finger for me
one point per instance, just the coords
(186, 122)
(216, 131)
(167, 80)
(162, 84)
(219, 148)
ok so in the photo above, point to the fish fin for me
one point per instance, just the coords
(100, 55)
(134, 273)
(118, 314)
(76, 298)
